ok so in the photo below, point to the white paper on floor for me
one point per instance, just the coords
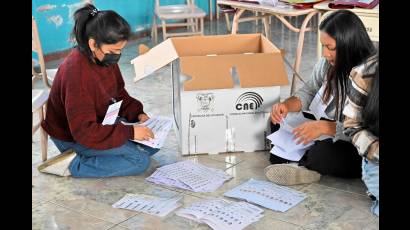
(160, 126)
(149, 204)
(267, 194)
(222, 214)
(189, 175)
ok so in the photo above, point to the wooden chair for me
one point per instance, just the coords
(38, 105)
(189, 12)
(47, 75)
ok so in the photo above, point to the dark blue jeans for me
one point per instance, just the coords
(128, 159)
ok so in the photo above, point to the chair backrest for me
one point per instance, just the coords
(188, 2)
(36, 47)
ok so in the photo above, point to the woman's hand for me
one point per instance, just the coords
(142, 133)
(279, 111)
(311, 130)
(143, 117)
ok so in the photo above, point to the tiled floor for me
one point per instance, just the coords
(68, 203)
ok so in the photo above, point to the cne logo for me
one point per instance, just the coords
(249, 101)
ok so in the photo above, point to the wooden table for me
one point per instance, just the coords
(280, 12)
(369, 17)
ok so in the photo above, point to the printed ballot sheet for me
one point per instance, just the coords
(189, 175)
(222, 214)
(149, 204)
(160, 126)
(267, 194)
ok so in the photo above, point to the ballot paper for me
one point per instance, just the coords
(112, 113)
(189, 175)
(285, 146)
(160, 126)
(267, 194)
(149, 204)
(222, 214)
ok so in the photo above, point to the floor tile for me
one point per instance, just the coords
(51, 216)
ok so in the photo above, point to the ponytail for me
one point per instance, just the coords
(81, 17)
(105, 27)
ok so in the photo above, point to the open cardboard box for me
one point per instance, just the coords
(223, 89)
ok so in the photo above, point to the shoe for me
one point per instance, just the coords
(370, 195)
(289, 174)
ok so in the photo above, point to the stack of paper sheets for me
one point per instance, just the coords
(160, 126)
(190, 176)
(267, 194)
(283, 140)
(148, 204)
(222, 214)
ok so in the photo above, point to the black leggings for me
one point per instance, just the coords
(339, 159)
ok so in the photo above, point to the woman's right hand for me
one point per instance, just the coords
(142, 133)
(279, 111)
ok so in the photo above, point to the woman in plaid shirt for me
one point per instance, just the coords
(362, 122)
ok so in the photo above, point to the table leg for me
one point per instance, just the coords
(235, 20)
(300, 48)
(267, 26)
(319, 45)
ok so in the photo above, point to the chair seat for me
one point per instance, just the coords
(38, 99)
(179, 12)
(51, 73)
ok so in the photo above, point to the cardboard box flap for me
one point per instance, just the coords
(218, 44)
(215, 72)
(154, 59)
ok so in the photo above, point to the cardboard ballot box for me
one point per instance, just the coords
(223, 89)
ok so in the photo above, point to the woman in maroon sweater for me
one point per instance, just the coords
(86, 84)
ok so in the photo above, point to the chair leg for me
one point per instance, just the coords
(164, 30)
(43, 137)
(228, 23)
(217, 11)
(202, 26)
(191, 21)
(154, 29)
(196, 24)
(210, 10)
(32, 126)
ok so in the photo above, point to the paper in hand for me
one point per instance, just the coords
(160, 126)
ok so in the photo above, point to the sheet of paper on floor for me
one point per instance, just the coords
(222, 214)
(149, 204)
(267, 194)
(189, 175)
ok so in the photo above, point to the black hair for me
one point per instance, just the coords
(353, 46)
(370, 114)
(105, 27)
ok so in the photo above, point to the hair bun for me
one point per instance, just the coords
(94, 12)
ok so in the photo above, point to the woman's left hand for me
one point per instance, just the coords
(143, 117)
(307, 132)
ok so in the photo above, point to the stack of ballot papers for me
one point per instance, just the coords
(160, 126)
(189, 175)
(149, 204)
(222, 214)
(285, 145)
(267, 194)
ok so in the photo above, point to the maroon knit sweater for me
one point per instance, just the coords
(79, 98)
